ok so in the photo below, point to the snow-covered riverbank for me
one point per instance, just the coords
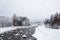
(5, 29)
(17, 33)
(42, 33)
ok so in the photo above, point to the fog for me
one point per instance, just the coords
(34, 9)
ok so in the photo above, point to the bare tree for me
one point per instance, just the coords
(14, 19)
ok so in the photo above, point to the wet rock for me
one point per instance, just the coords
(19, 34)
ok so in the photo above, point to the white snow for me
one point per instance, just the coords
(43, 33)
(5, 29)
(2, 30)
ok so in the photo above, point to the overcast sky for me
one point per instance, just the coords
(34, 9)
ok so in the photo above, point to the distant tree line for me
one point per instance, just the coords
(15, 20)
(20, 21)
(54, 20)
(5, 21)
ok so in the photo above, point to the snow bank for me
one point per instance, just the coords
(43, 33)
(2, 30)
(5, 29)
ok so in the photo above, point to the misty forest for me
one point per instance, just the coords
(29, 20)
(22, 27)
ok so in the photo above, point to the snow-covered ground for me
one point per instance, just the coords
(2, 30)
(43, 33)
(5, 29)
